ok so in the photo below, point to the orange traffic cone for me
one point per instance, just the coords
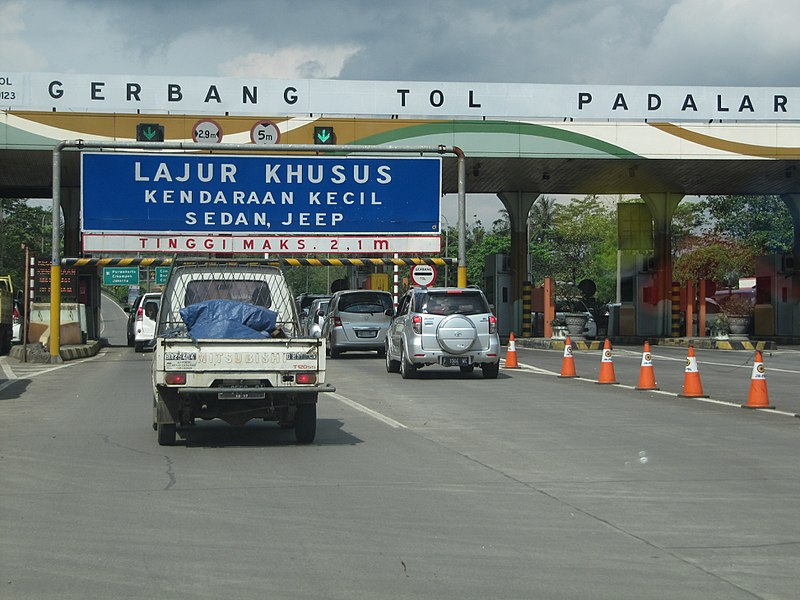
(692, 387)
(647, 375)
(568, 363)
(511, 354)
(758, 398)
(607, 365)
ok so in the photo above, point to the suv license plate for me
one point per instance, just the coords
(456, 361)
(366, 333)
(241, 395)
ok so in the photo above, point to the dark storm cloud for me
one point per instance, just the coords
(697, 42)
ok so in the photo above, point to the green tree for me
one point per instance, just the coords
(584, 244)
(722, 260)
(22, 223)
(761, 222)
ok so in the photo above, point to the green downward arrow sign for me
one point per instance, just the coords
(324, 135)
(149, 133)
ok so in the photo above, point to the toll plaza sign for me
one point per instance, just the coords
(175, 203)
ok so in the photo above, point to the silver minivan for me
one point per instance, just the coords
(357, 320)
(450, 327)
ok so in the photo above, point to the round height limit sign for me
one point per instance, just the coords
(207, 131)
(423, 275)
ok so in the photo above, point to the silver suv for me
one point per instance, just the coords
(450, 327)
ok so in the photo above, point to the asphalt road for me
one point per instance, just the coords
(445, 486)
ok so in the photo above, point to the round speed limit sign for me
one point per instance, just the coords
(265, 133)
(423, 275)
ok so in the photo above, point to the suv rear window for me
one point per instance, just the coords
(365, 302)
(464, 303)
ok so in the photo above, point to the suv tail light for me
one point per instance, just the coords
(416, 324)
(337, 322)
(492, 324)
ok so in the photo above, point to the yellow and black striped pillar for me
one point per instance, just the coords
(675, 298)
(527, 306)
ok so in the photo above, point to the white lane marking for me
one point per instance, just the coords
(13, 378)
(7, 370)
(368, 411)
(541, 371)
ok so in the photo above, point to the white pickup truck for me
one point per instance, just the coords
(226, 348)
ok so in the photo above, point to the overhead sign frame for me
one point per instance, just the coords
(257, 195)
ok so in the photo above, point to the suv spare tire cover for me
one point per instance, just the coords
(456, 334)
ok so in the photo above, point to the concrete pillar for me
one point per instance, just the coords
(518, 205)
(662, 206)
(792, 201)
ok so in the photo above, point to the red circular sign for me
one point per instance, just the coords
(423, 275)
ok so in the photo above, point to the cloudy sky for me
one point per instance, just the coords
(690, 42)
(697, 42)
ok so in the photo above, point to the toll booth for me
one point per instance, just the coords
(497, 287)
(777, 311)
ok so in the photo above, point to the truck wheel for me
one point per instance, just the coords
(166, 434)
(491, 370)
(305, 423)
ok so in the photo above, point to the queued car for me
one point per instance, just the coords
(131, 327)
(312, 324)
(145, 321)
(357, 320)
(16, 323)
(449, 327)
(303, 303)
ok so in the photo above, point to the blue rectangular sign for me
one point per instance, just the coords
(227, 194)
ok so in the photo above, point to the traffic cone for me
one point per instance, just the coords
(647, 375)
(692, 386)
(758, 397)
(607, 365)
(568, 363)
(511, 354)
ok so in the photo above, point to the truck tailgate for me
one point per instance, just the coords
(221, 356)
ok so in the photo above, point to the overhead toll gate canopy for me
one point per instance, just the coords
(539, 137)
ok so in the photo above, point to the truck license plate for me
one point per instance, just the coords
(241, 395)
(456, 361)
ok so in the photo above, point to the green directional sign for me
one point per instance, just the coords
(324, 135)
(161, 275)
(121, 276)
(149, 132)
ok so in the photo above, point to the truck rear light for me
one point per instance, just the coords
(306, 378)
(175, 378)
(140, 314)
(337, 322)
(416, 324)
(492, 324)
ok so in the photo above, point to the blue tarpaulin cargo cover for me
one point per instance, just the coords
(228, 319)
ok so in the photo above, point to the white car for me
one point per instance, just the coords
(145, 324)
